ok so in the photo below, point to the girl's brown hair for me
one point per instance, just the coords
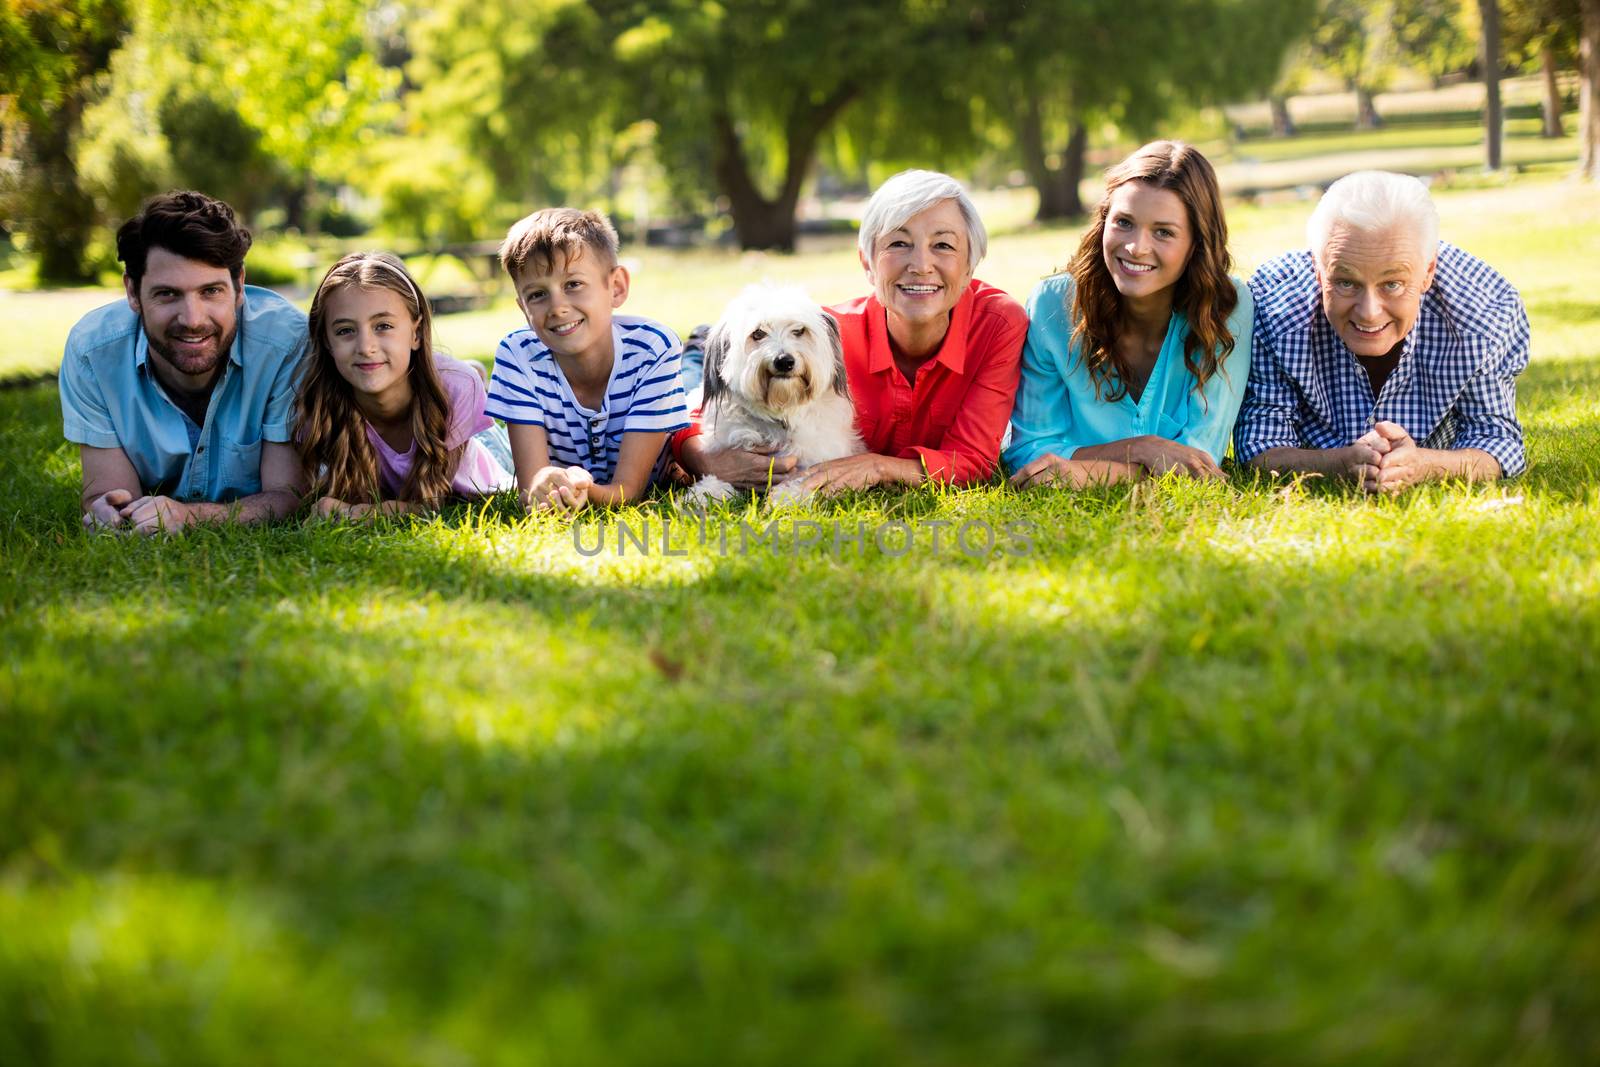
(332, 432)
(1204, 293)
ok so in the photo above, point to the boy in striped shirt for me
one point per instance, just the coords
(590, 398)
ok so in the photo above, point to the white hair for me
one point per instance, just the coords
(1375, 201)
(912, 192)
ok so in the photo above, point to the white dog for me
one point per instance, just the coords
(775, 381)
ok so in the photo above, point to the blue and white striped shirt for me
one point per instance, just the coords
(1454, 387)
(644, 395)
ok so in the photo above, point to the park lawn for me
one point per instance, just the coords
(1179, 773)
(1174, 773)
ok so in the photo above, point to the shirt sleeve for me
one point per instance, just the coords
(513, 391)
(466, 396)
(1042, 421)
(658, 404)
(277, 423)
(1214, 408)
(1267, 412)
(1487, 407)
(85, 419)
(972, 444)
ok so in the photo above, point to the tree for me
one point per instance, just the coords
(1047, 72)
(50, 51)
(1354, 39)
(1435, 36)
(1589, 91)
(252, 102)
(1489, 57)
(739, 95)
(1543, 32)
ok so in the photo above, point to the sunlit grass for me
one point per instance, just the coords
(1243, 772)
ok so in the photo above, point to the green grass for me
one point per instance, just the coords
(1210, 774)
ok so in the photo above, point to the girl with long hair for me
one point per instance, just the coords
(384, 424)
(1137, 353)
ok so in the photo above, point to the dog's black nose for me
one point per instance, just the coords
(783, 364)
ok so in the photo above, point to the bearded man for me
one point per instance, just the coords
(181, 398)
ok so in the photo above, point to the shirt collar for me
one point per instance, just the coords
(952, 352)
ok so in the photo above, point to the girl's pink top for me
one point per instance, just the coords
(480, 473)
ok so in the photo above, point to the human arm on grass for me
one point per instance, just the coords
(109, 483)
(541, 485)
(1402, 462)
(1044, 427)
(635, 460)
(1488, 441)
(738, 467)
(1051, 469)
(282, 485)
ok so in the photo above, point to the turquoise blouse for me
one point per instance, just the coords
(1057, 410)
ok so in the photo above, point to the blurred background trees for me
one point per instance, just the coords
(441, 121)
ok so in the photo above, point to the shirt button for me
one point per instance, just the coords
(199, 450)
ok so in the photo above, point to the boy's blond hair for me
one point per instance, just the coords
(538, 238)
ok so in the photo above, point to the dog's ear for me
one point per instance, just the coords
(841, 384)
(714, 384)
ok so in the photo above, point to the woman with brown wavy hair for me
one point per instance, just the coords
(384, 425)
(1137, 353)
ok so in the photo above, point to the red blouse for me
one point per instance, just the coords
(953, 416)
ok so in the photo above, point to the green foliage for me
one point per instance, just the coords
(249, 102)
(1437, 37)
(49, 49)
(1354, 40)
(431, 190)
(1528, 26)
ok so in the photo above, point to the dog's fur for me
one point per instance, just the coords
(775, 380)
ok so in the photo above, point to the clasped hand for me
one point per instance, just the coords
(1385, 459)
(120, 510)
(559, 489)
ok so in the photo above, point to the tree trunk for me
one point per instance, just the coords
(1059, 197)
(1282, 121)
(1589, 90)
(1489, 52)
(1552, 94)
(60, 215)
(762, 222)
(1367, 117)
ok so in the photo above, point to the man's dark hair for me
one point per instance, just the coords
(188, 224)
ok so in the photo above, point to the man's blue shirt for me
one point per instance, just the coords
(1454, 387)
(110, 398)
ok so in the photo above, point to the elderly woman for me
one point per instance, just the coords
(932, 354)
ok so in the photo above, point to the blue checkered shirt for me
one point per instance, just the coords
(1454, 387)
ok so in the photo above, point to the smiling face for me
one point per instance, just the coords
(568, 303)
(1372, 285)
(920, 270)
(189, 309)
(1147, 239)
(371, 335)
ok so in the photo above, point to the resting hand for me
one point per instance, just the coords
(1051, 469)
(105, 511)
(1159, 455)
(849, 472)
(156, 514)
(738, 467)
(1401, 462)
(559, 489)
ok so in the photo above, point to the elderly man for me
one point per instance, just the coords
(181, 398)
(1383, 355)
